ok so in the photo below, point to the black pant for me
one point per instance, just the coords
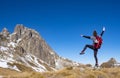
(95, 52)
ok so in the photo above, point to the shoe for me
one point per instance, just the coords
(96, 65)
(82, 53)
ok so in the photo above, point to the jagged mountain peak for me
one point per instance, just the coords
(26, 46)
(21, 31)
(5, 29)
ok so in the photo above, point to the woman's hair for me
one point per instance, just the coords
(94, 33)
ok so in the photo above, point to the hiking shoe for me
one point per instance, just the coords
(82, 53)
(96, 65)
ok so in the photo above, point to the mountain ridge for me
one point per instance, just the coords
(25, 46)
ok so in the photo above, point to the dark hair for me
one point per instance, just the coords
(94, 33)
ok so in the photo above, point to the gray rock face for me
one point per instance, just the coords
(5, 32)
(4, 37)
(32, 42)
(18, 30)
(26, 46)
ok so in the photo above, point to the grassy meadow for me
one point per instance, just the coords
(70, 72)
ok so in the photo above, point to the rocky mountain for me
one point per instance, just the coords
(26, 49)
(110, 63)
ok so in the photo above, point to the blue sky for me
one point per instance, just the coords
(60, 23)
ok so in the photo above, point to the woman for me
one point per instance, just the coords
(95, 45)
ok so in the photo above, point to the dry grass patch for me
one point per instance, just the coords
(112, 72)
(75, 72)
(68, 72)
(8, 73)
(27, 75)
(21, 67)
(5, 71)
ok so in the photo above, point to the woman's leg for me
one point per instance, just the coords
(95, 52)
(87, 46)
(95, 56)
